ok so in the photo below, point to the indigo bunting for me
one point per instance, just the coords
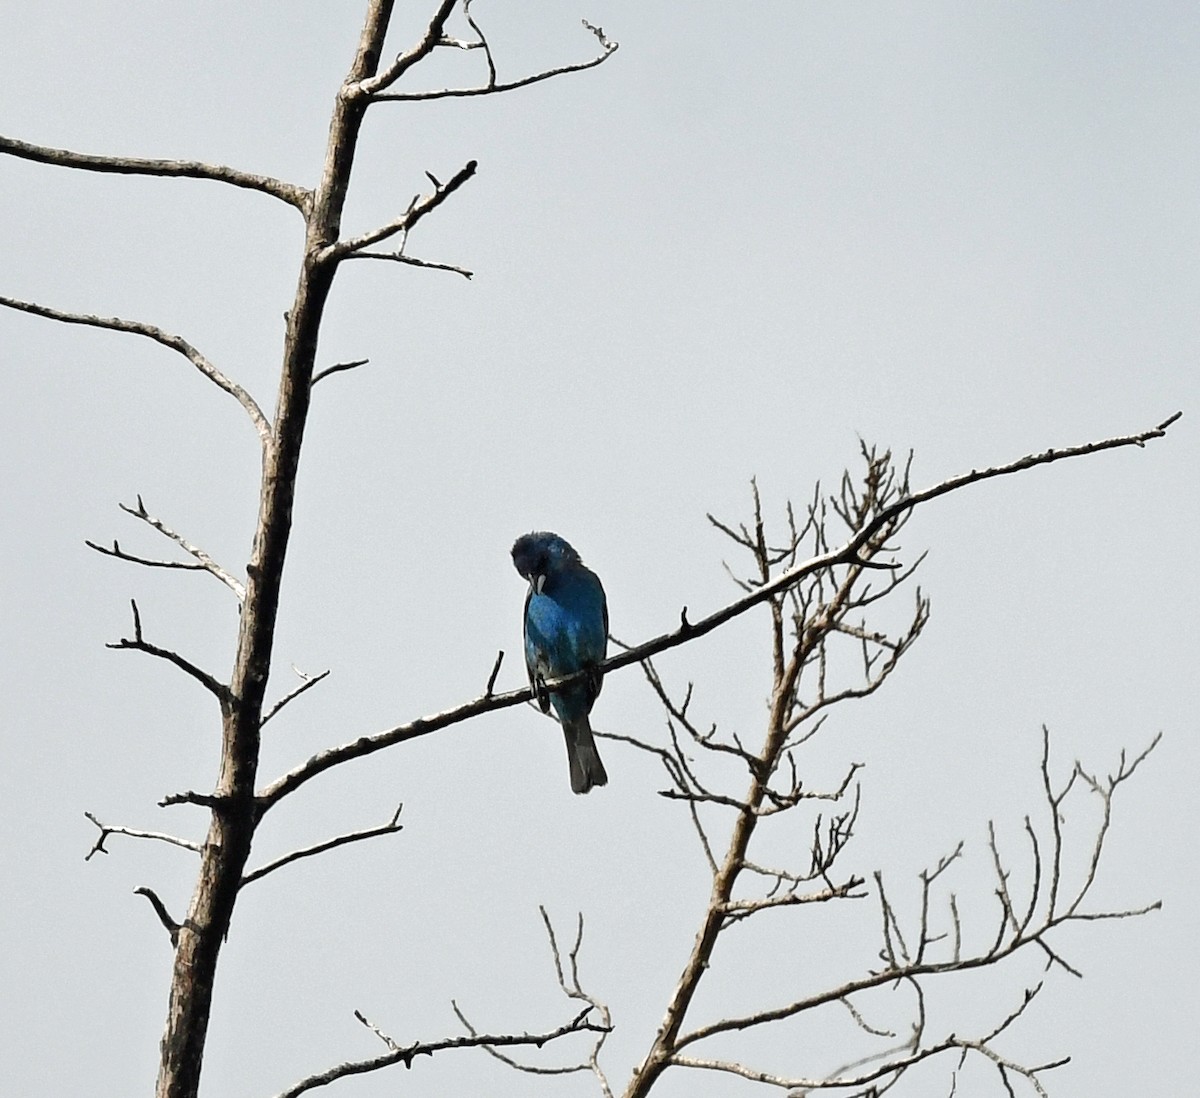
(566, 630)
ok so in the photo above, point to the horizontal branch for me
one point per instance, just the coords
(134, 833)
(687, 630)
(136, 165)
(737, 909)
(146, 562)
(406, 1055)
(174, 342)
(400, 257)
(891, 1066)
(495, 87)
(189, 796)
(389, 828)
(887, 976)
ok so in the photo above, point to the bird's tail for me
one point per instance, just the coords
(586, 768)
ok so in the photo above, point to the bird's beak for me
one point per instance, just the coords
(539, 581)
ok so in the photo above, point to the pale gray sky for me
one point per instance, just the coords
(754, 235)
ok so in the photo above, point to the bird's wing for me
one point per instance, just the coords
(536, 679)
(529, 668)
(596, 679)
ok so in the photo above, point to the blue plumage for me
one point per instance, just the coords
(566, 630)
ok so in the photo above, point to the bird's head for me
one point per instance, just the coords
(541, 554)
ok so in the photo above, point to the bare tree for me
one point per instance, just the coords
(817, 607)
(826, 652)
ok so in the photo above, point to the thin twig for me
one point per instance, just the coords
(412, 261)
(309, 682)
(572, 989)
(481, 43)
(388, 1041)
(491, 683)
(389, 828)
(320, 375)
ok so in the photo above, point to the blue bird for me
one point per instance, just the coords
(566, 630)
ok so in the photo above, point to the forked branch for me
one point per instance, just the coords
(814, 640)
(201, 560)
(494, 86)
(571, 987)
(134, 833)
(902, 964)
(406, 1054)
(138, 643)
(417, 209)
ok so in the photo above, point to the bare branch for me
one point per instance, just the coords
(147, 562)
(804, 1085)
(1010, 916)
(493, 87)
(516, 1065)
(337, 369)
(417, 209)
(491, 683)
(891, 1067)
(846, 554)
(897, 967)
(407, 1054)
(368, 745)
(435, 33)
(309, 681)
(188, 796)
(481, 43)
(572, 988)
(388, 1041)
(862, 1023)
(218, 689)
(203, 560)
(136, 165)
(134, 833)
(400, 257)
(737, 909)
(389, 828)
(174, 342)
(160, 909)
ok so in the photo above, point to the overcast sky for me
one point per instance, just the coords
(752, 237)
